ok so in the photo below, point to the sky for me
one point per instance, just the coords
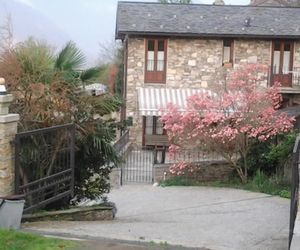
(86, 22)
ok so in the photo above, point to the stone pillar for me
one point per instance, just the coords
(8, 129)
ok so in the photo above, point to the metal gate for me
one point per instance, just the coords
(295, 188)
(44, 165)
(137, 166)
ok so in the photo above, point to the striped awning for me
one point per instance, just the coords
(151, 101)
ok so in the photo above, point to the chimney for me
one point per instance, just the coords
(219, 2)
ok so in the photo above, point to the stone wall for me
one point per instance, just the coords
(194, 63)
(191, 63)
(213, 171)
(297, 55)
(115, 177)
(92, 213)
(252, 51)
(8, 130)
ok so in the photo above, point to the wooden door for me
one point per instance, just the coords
(282, 63)
(155, 66)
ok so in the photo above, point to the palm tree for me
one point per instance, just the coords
(69, 62)
(45, 86)
(93, 136)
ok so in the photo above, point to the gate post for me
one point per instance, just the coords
(8, 129)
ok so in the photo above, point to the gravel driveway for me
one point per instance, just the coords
(213, 218)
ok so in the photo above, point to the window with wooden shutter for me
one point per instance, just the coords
(282, 62)
(155, 66)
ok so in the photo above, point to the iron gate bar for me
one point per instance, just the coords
(46, 202)
(44, 130)
(295, 188)
(44, 190)
(137, 166)
(72, 158)
(47, 178)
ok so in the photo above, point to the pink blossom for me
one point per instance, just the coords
(231, 119)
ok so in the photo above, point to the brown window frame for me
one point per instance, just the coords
(285, 79)
(154, 128)
(231, 41)
(153, 76)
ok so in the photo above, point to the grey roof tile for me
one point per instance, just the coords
(206, 20)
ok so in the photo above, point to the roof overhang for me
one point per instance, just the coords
(122, 34)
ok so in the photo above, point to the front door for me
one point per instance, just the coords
(282, 63)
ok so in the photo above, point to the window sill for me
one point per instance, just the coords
(227, 65)
(155, 83)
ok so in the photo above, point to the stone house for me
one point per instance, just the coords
(174, 50)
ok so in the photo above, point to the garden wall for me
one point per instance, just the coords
(207, 172)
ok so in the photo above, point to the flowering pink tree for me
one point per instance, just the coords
(229, 119)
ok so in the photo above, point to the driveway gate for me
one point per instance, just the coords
(295, 188)
(137, 166)
(44, 165)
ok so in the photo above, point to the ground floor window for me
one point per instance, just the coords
(153, 125)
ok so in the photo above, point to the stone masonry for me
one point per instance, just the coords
(8, 129)
(206, 172)
(191, 63)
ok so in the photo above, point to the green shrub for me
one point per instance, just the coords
(285, 194)
(273, 185)
(270, 156)
(178, 181)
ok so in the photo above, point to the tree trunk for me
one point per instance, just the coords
(245, 167)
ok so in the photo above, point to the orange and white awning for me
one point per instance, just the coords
(152, 100)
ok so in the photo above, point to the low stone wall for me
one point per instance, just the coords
(206, 172)
(116, 173)
(93, 213)
(115, 177)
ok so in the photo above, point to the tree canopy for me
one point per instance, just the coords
(229, 120)
(48, 90)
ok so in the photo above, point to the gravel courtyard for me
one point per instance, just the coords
(213, 218)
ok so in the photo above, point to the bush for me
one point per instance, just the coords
(178, 181)
(95, 158)
(270, 156)
(274, 185)
(47, 87)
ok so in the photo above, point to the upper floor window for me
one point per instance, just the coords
(282, 62)
(155, 66)
(227, 52)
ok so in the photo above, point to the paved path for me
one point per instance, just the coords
(214, 218)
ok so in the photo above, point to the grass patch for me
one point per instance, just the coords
(259, 183)
(13, 240)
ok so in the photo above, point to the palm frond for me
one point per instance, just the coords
(90, 74)
(70, 58)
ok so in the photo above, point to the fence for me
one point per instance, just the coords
(294, 74)
(137, 166)
(120, 145)
(193, 156)
(44, 165)
(295, 188)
